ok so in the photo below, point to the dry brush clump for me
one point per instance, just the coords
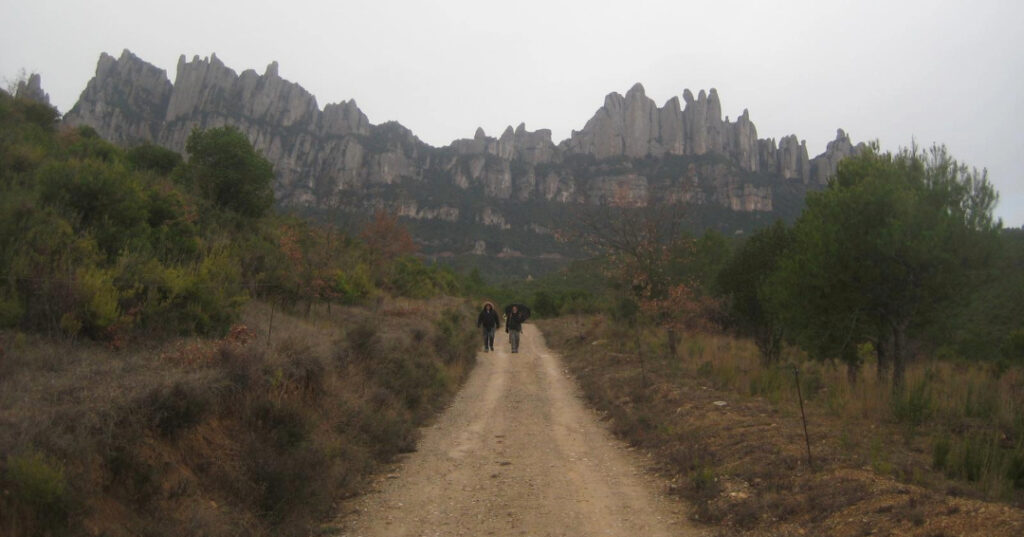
(254, 434)
(728, 434)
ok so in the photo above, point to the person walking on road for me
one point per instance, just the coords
(514, 327)
(488, 321)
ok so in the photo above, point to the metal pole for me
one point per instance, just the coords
(803, 416)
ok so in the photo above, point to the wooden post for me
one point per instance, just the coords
(803, 416)
(270, 325)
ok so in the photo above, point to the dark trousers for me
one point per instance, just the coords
(513, 339)
(488, 338)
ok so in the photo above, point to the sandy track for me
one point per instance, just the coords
(518, 454)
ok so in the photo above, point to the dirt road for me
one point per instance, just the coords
(518, 454)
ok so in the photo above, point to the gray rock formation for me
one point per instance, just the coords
(125, 102)
(630, 153)
(825, 164)
(635, 127)
(32, 89)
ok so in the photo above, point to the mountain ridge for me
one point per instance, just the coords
(630, 153)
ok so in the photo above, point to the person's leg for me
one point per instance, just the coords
(485, 337)
(489, 342)
(514, 339)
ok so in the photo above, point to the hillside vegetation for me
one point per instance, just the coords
(176, 358)
(895, 302)
(943, 459)
(104, 243)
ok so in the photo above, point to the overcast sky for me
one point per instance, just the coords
(897, 70)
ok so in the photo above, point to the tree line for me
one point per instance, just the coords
(900, 255)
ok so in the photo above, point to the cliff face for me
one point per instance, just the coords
(630, 153)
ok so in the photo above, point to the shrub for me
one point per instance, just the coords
(354, 286)
(771, 382)
(241, 366)
(454, 343)
(1015, 470)
(411, 278)
(544, 304)
(1013, 347)
(176, 408)
(362, 338)
(152, 157)
(982, 401)
(302, 367)
(940, 453)
(283, 424)
(36, 493)
(10, 311)
(389, 429)
(226, 169)
(292, 487)
(915, 405)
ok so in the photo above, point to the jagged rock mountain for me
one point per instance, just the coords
(630, 153)
(32, 89)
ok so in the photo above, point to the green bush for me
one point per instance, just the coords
(772, 382)
(453, 342)
(980, 457)
(97, 301)
(1013, 348)
(1015, 470)
(544, 305)
(11, 311)
(982, 401)
(915, 405)
(225, 169)
(411, 278)
(154, 158)
(354, 286)
(36, 491)
(102, 199)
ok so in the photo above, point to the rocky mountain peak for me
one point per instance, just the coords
(636, 92)
(323, 156)
(32, 89)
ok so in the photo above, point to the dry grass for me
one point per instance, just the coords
(744, 465)
(259, 433)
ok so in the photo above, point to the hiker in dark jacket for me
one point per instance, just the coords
(514, 327)
(488, 321)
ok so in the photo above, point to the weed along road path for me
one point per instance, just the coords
(517, 453)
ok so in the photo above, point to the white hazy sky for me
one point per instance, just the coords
(893, 70)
